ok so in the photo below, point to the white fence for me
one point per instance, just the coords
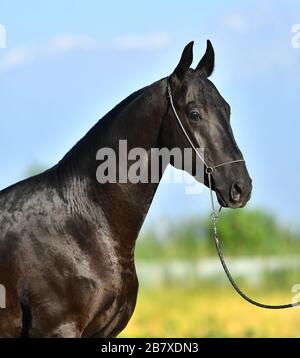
(248, 268)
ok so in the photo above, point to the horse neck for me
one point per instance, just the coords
(138, 121)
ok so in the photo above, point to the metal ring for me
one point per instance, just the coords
(209, 170)
(214, 216)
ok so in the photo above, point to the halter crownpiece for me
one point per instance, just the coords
(215, 215)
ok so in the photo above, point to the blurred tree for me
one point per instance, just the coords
(34, 169)
(242, 232)
(247, 232)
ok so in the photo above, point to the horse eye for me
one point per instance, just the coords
(194, 116)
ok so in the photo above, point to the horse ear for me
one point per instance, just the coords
(185, 61)
(207, 63)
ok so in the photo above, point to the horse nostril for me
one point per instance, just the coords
(236, 191)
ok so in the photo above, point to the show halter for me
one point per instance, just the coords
(209, 169)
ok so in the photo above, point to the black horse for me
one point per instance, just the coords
(67, 241)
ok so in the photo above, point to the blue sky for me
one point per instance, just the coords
(68, 62)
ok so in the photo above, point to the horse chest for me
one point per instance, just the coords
(117, 292)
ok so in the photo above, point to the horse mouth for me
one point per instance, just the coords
(221, 200)
(230, 204)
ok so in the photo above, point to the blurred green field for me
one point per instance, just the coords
(209, 312)
(176, 299)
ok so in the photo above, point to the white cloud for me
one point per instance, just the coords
(149, 42)
(262, 45)
(16, 57)
(66, 43)
(236, 22)
(58, 45)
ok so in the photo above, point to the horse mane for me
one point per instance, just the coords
(92, 139)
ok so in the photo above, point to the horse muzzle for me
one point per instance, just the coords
(236, 196)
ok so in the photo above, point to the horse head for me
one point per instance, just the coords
(205, 118)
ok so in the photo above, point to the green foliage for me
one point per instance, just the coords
(242, 232)
(254, 232)
(34, 169)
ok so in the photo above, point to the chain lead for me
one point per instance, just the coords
(214, 218)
